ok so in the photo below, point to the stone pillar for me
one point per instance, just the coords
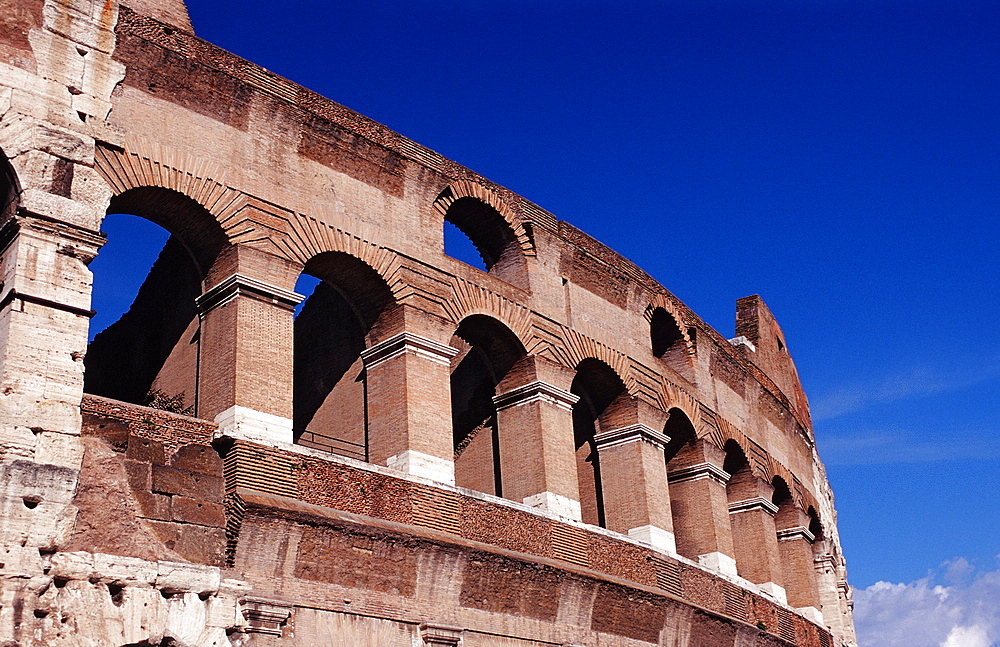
(535, 430)
(755, 539)
(634, 482)
(245, 362)
(795, 548)
(699, 506)
(409, 406)
(44, 318)
(834, 595)
(634, 472)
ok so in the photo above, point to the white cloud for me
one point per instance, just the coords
(919, 381)
(967, 637)
(882, 446)
(924, 613)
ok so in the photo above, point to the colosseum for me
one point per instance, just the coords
(550, 451)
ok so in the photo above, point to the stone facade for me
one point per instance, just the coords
(554, 451)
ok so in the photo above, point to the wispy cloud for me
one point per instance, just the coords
(913, 383)
(955, 606)
(885, 446)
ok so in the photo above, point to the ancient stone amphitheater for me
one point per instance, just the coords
(554, 451)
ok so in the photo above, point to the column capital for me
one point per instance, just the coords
(536, 391)
(237, 285)
(797, 532)
(440, 635)
(699, 471)
(405, 342)
(754, 503)
(630, 434)
(264, 616)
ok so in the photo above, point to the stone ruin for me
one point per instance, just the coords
(551, 450)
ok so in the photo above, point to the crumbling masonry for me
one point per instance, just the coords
(554, 451)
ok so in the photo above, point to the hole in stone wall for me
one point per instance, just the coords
(117, 593)
(9, 189)
(31, 502)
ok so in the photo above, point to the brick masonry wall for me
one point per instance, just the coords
(371, 494)
(173, 499)
(151, 485)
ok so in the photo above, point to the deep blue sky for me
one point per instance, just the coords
(839, 158)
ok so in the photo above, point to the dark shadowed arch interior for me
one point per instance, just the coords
(735, 461)
(815, 525)
(667, 340)
(782, 496)
(331, 331)
(487, 351)
(597, 386)
(492, 236)
(10, 189)
(680, 431)
(151, 354)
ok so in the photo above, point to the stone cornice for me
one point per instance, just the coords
(699, 471)
(536, 392)
(237, 285)
(630, 434)
(407, 342)
(753, 503)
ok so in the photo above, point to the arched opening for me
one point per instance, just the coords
(787, 515)
(681, 433)
(491, 236)
(487, 351)
(10, 190)
(597, 386)
(736, 465)
(815, 525)
(667, 341)
(782, 495)
(150, 354)
(332, 328)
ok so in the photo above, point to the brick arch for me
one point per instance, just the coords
(575, 347)
(186, 219)
(660, 301)
(469, 189)
(470, 299)
(308, 238)
(142, 164)
(670, 396)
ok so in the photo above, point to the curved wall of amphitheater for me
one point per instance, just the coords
(553, 451)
